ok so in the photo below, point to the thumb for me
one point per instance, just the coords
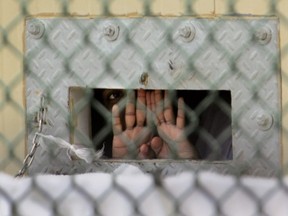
(156, 144)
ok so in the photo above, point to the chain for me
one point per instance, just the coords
(41, 118)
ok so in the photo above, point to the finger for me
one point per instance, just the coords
(140, 109)
(168, 109)
(145, 152)
(180, 114)
(141, 135)
(130, 110)
(149, 118)
(152, 98)
(153, 104)
(153, 107)
(159, 106)
(156, 145)
(116, 122)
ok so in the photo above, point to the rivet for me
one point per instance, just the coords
(263, 35)
(264, 121)
(36, 29)
(187, 33)
(111, 32)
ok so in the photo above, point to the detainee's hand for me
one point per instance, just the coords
(172, 141)
(131, 138)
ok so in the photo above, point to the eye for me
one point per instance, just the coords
(112, 96)
(115, 96)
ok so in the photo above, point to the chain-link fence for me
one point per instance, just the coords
(158, 103)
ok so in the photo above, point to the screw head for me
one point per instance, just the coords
(36, 28)
(263, 35)
(111, 32)
(264, 121)
(187, 33)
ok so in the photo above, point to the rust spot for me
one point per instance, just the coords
(144, 79)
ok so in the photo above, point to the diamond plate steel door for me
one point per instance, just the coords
(236, 54)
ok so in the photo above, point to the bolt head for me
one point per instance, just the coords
(264, 121)
(111, 32)
(33, 29)
(187, 33)
(36, 29)
(263, 35)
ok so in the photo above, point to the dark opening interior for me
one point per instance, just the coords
(207, 114)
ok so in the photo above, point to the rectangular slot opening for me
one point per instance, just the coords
(207, 124)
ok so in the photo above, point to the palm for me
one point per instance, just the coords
(134, 135)
(128, 141)
(171, 131)
(174, 141)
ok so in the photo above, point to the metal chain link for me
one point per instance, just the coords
(41, 117)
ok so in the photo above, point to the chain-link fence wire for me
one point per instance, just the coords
(102, 129)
